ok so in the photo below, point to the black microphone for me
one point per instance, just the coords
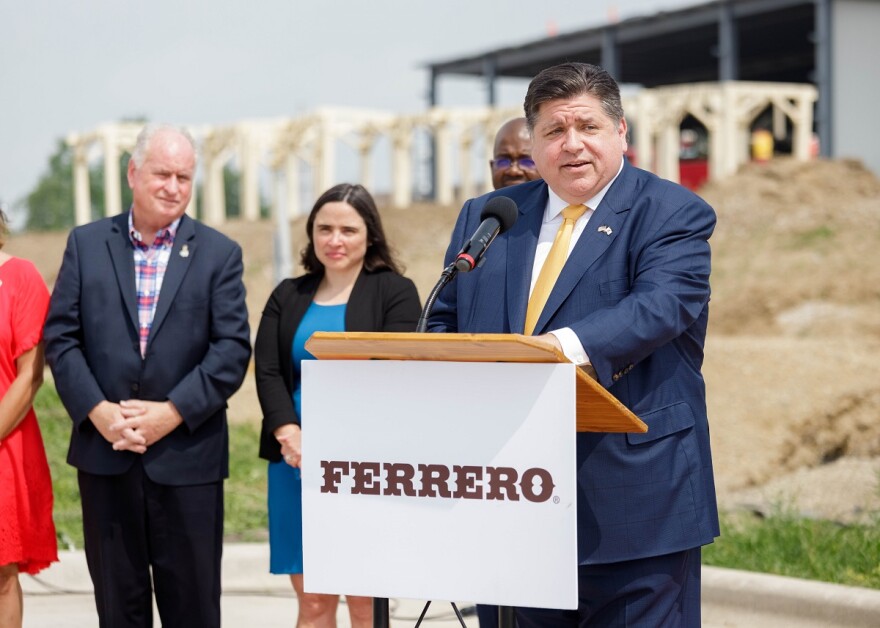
(497, 216)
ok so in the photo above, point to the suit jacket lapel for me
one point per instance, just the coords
(522, 240)
(122, 257)
(179, 262)
(592, 244)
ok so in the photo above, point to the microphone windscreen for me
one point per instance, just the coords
(503, 209)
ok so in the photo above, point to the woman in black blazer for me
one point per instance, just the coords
(352, 283)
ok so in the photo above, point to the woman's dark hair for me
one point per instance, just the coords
(379, 255)
(569, 80)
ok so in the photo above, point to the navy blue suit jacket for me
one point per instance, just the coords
(636, 294)
(196, 356)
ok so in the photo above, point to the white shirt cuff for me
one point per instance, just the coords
(571, 346)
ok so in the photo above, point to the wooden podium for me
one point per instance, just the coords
(597, 409)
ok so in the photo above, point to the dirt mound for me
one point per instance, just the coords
(791, 368)
(797, 250)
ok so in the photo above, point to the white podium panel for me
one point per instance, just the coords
(440, 481)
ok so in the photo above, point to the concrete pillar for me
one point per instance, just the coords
(401, 166)
(728, 136)
(716, 150)
(250, 188)
(365, 150)
(488, 129)
(779, 118)
(291, 176)
(215, 195)
(112, 189)
(644, 134)
(466, 175)
(81, 191)
(282, 262)
(325, 159)
(444, 187)
(741, 140)
(803, 129)
(191, 206)
(667, 158)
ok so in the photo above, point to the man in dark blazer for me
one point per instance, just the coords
(147, 337)
(630, 305)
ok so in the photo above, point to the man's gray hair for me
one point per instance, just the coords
(149, 131)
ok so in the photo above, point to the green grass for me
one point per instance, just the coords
(781, 544)
(246, 518)
(788, 545)
(55, 425)
(812, 238)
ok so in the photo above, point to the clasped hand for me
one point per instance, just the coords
(134, 424)
(289, 436)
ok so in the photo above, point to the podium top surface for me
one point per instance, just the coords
(597, 409)
(354, 345)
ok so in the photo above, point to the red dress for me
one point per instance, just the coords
(27, 533)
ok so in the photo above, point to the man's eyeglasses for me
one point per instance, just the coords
(503, 163)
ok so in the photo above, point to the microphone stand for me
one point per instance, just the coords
(445, 277)
(506, 614)
(381, 614)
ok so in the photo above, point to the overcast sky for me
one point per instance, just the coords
(70, 66)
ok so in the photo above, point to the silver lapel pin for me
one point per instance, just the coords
(184, 251)
(605, 229)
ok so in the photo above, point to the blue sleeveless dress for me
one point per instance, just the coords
(285, 486)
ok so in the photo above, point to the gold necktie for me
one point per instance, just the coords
(552, 266)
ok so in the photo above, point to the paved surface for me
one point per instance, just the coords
(61, 596)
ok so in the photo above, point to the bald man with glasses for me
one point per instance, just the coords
(512, 162)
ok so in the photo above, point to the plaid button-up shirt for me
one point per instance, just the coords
(150, 263)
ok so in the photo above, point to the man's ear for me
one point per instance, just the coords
(130, 172)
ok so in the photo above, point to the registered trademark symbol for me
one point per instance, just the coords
(556, 500)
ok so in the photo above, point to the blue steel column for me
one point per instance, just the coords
(432, 144)
(489, 76)
(728, 43)
(610, 59)
(824, 79)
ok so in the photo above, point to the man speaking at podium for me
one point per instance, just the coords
(609, 264)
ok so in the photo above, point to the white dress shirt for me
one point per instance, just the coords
(571, 344)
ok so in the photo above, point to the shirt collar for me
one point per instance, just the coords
(164, 237)
(555, 204)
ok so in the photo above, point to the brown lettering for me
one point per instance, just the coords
(399, 476)
(366, 478)
(434, 480)
(527, 485)
(466, 479)
(333, 472)
(501, 483)
(502, 478)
